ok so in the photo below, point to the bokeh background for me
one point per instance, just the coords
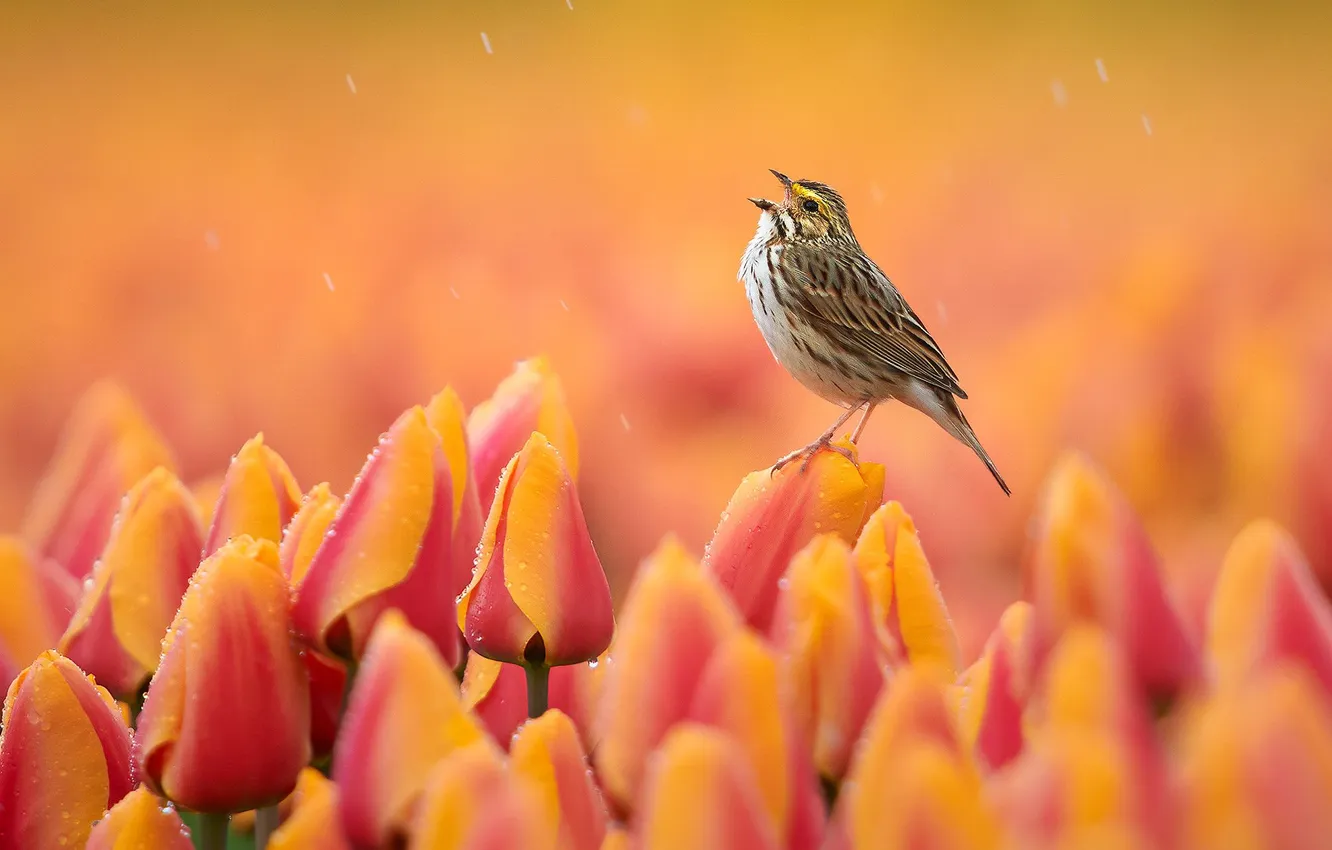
(1116, 219)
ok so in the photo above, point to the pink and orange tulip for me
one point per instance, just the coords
(539, 595)
(36, 600)
(772, 516)
(404, 716)
(313, 822)
(64, 756)
(107, 445)
(497, 694)
(548, 752)
(225, 726)
(116, 633)
(259, 496)
(472, 802)
(395, 542)
(530, 399)
(996, 689)
(140, 821)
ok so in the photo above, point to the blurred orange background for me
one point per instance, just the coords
(303, 221)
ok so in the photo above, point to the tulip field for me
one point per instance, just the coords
(433, 660)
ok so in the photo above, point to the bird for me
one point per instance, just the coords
(838, 325)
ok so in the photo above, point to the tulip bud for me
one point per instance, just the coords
(472, 803)
(304, 534)
(64, 756)
(530, 399)
(36, 599)
(996, 687)
(772, 516)
(259, 496)
(153, 549)
(547, 751)
(390, 545)
(404, 715)
(225, 726)
(313, 822)
(539, 595)
(107, 445)
(140, 821)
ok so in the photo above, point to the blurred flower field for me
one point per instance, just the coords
(417, 664)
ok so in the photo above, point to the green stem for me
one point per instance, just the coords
(211, 831)
(265, 824)
(538, 689)
(136, 706)
(347, 686)
(829, 787)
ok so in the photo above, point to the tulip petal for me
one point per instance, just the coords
(304, 534)
(106, 446)
(547, 751)
(772, 516)
(225, 726)
(674, 618)
(702, 794)
(313, 822)
(404, 715)
(258, 498)
(64, 755)
(140, 821)
(471, 802)
(448, 418)
(991, 713)
(30, 616)
(497, 694)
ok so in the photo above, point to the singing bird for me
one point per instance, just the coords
(835, 321)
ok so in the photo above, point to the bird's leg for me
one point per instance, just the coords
(824, 439)
(860, 426)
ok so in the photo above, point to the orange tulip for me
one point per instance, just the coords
(258, 498)
(702, 794)
(1267, 608)
(771, 517)
(313, 822)
(674, 618)
(996, 687)
(472, 803)
(832, 657)
(36, 599)
(547, 751)
(153, 549)
(392, 544)
(225, 726)
(404, 715)
(106, 446)
(64, 756)
(908, 608)
(1091, 562)
(140, 821)
(539, 595)
(497, 694)
(530, 399)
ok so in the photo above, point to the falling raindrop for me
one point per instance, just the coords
(564, 305)
(569, 3)
(485, 42)
(1100, 70)
(624, 420)
(943, 312)
(455, 294)
(1146, 123)
(351, 84)
(328, 279)
(211, 240)
(1060, 93)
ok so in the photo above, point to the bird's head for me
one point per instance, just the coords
(808, 211)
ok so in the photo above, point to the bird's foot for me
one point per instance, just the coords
(806, 453)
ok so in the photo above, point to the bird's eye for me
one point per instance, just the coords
(811, 205)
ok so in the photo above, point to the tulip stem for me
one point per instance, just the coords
(538, 689)
(211, 831)
(265, 824)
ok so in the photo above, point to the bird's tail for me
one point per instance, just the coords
(956, 424)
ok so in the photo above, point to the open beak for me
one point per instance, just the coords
(786, 181)
(762, 204)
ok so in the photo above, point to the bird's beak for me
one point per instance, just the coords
(786, 181)
(762, 204)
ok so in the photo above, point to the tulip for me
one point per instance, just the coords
(547, 751)
(908, 608)
(258, 498)
(772, 516)
(140, 821)
(824, 625)
(1267, 608)
(225, 726)
(995, 688)
(1092, 562)
(391, 545)
(313, 821)
(106, 446)
(64, 756)
(530, 399)
(1256, 765)
(472, 803)
(702, 794)
(912, 782)
(404, 715)
(153, 549)
(36, 598)
(304, 534)
(497, 694)
(448, 419)
(539, 596)
(674, 618)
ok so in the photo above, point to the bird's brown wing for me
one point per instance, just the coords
(852, 300)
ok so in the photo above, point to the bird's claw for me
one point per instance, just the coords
(808, 452)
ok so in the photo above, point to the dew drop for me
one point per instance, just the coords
(592, 664)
